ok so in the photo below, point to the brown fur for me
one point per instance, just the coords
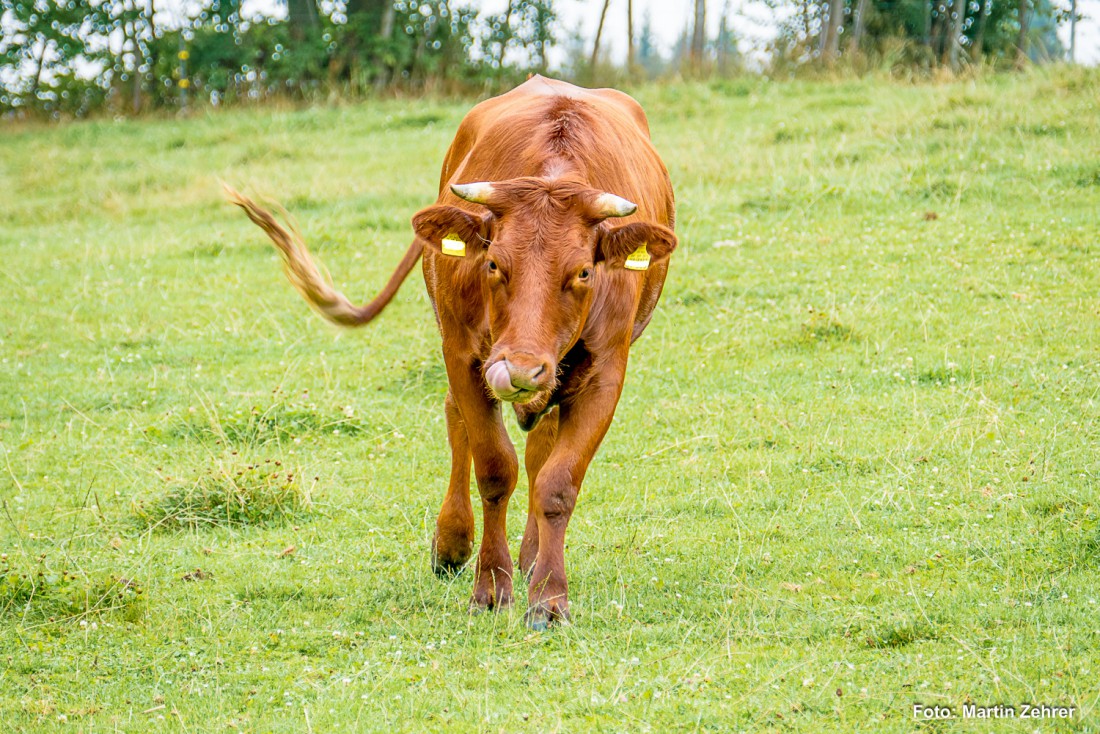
(541, 289)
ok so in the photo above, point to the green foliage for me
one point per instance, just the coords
(917, 34)
(41, 41)
(218, 56)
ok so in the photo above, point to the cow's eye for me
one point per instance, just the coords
(492, 266)
(585, 273)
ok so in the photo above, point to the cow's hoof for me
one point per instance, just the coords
(542, 616)
(446, 566)
(446, 569)
(480, 603)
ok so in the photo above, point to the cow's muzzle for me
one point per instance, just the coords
(518, 377)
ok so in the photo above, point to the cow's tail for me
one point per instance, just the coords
(306, 277)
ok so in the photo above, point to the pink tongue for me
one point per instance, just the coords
(498, 378)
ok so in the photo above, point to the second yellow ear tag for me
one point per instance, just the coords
(452, 245)
(637, 260)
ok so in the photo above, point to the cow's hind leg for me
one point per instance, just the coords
(454, 527)
(540, 441)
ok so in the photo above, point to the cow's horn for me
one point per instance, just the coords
(477, 193)
(609, 205)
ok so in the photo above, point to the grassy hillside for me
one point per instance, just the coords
(855, 466)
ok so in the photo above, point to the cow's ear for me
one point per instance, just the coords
(616, 244)
(455, 231)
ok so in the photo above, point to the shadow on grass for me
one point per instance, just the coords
(896, 631)
(823, 328)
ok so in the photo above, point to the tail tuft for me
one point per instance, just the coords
(306, 277)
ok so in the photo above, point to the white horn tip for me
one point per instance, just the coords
(610, 205)
(477, 193)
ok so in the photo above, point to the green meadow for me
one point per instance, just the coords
(856, 466)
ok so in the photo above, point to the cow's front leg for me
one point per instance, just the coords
(581, 427)
(454, 527)
(540, 442)
(495, 469)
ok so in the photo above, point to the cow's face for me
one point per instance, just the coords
(541, 247)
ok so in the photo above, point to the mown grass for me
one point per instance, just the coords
(855, 465)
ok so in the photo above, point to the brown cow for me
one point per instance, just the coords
(538, 297)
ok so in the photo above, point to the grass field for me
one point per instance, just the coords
(855, 466)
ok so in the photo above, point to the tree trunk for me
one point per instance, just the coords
(699, 35)
(928, 25)
(505, 34)
(832, 31)
(303, 18)
(544, 36)
(359, 55)
(599, 37)
(631, 61)
(979, 36)
(860, 24)
(955, 42)
(1021, 40)
(129, 42)
(387, 22)
(1073, 31)
(135, 97)
(724, 41)
(41, 63)
(939, 35)
(385, 71)
(142, 25)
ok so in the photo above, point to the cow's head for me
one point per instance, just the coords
(541, 246)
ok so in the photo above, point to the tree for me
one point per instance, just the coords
(649, 56)
(41, 48)
(526, 26)
(698, 35)
(1021, 39)
(832, 32)
(599, 36)
(364, 41)
(979, 37)
(631, 60)
(955, 42)
(727, 56)
(1073, 31)
(859, 25)
(303, 18)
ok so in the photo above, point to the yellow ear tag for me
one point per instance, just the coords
(637, 260)
(452, 245)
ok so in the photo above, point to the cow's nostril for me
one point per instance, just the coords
(535, 373)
